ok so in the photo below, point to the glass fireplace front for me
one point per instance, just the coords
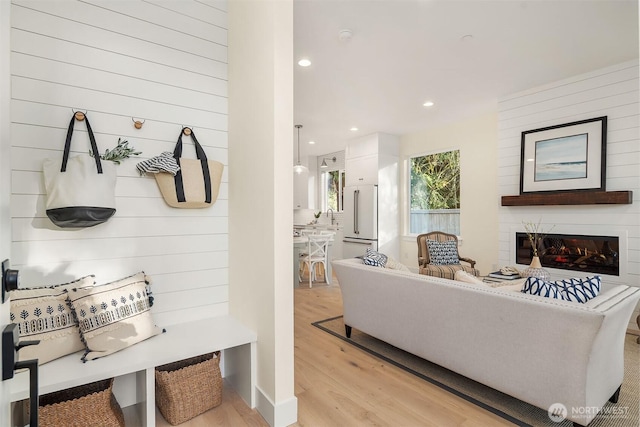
(592, 254)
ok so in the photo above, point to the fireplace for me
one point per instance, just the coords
(592, 254)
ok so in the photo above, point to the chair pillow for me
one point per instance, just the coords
(43, 314)
(374, 258)
(114, 316)
(443, 253)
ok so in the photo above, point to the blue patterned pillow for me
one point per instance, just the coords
(576, 290)
(580, 290)
(535, 286)
(443, 253)
(374, 258)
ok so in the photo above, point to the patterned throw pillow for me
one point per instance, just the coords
(576, 290)
(535, 286)
(580, 290)
(43, 314)
(374, 258)
(443, 253)
(114, 316)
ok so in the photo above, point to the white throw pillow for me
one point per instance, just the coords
(463, 276)
(114, 316)
(394, 264)
(43, 314)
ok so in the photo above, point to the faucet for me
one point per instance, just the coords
(331, 215)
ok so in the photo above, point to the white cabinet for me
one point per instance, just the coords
(361, 170)
(301, 190)
(374, 160)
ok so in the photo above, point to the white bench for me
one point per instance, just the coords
(136, 364)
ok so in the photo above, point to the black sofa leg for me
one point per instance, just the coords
(347, 330)
(616, 396)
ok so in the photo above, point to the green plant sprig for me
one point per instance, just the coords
(121, 152)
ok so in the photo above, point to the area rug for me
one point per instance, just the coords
(625, 413)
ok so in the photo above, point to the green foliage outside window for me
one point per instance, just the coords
(435, 181)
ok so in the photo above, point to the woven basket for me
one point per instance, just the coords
(188, 388)
(90, 404)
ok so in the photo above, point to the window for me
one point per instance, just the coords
(332, 189)
(435, 193)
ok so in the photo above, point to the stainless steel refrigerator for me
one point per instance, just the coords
(360, 220)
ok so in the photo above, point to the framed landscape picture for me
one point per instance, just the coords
(565, 157)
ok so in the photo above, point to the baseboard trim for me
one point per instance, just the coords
(277, 415)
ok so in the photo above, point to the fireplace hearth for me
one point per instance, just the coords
(589, 254)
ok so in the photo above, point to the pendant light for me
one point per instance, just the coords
(299, 167)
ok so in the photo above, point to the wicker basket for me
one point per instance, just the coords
(188, 388)
(90, 404)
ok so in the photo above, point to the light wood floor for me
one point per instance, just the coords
(339, 385)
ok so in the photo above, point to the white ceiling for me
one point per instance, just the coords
(405, 52)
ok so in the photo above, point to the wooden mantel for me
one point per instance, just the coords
(570, 198)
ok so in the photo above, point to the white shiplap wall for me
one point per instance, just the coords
(611, 92)
(157, 60)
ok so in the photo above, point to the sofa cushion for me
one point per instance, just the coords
(374, 258)
(43, 314)
(443, 253)
(580, 290)
(535, 286)
(114, 316)
(446, 271)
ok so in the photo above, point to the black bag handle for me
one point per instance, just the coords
(200, 154)
(92, 139)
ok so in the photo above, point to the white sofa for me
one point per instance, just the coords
(539, 350)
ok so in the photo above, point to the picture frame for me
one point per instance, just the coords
(566, 157)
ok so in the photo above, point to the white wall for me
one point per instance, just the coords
(5, 179)
(164, 62)
(476, 138)
(261, 191)
(611, 92)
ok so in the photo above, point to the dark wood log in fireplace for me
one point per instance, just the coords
(589, 254)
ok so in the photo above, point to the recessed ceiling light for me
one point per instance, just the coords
(428, 104)
(312, 142)
(304, 62)
(354, 129)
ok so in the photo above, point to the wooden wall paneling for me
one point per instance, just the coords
(114, 268)
(613, 92)
(585, 82)
(27, 43)
(166, 18)
(88, 99)
(214, 14)
(119, 60)
(49, 26)
(31, 67)
(40, 229)
(177, 282)
(167, 318)
(26, 253)
(81, 14)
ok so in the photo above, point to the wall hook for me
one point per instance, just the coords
(186, 130)
(137, 123)
(79, 115)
